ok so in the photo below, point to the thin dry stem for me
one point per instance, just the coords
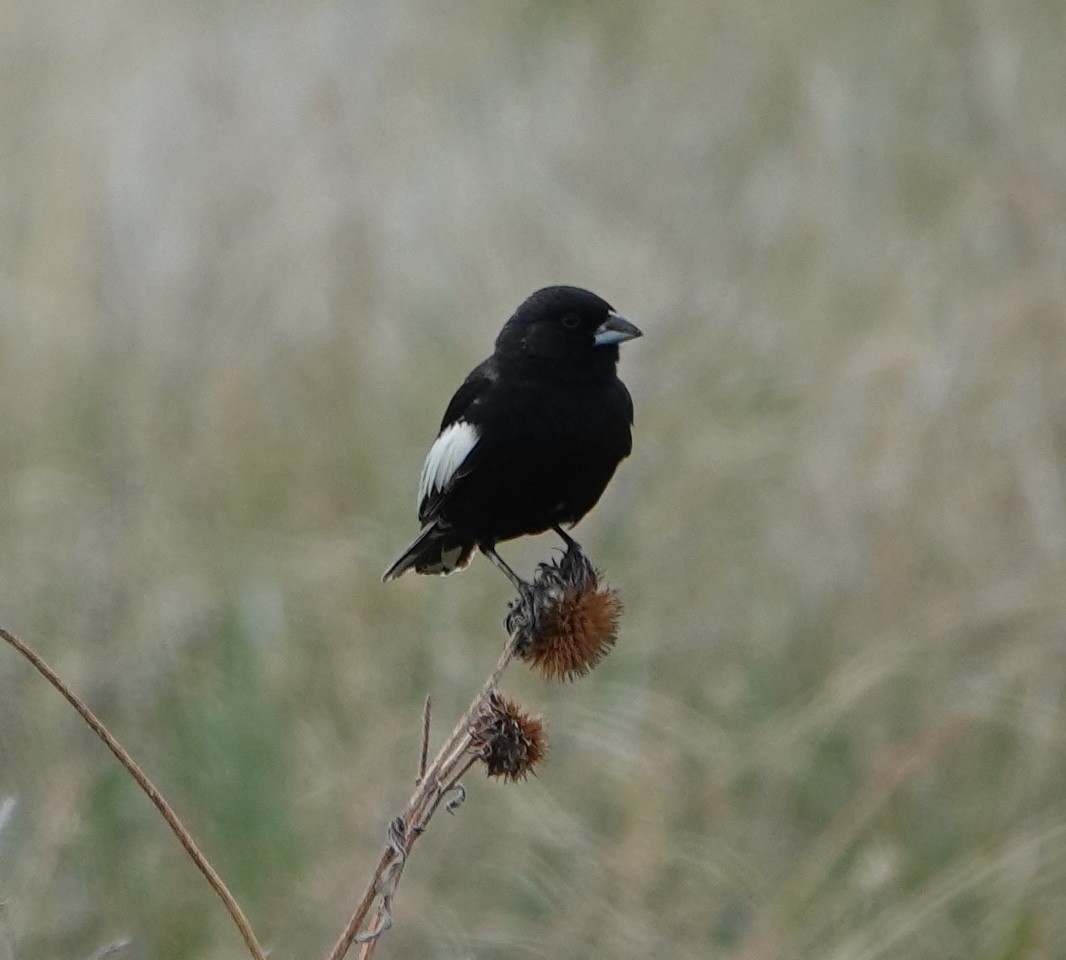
(439, 778)
(167, 812)
(423, 755)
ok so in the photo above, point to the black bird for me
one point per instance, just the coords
(531, 438)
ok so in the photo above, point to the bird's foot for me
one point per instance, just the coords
(567, 620)
(571, 574)
(523, 610)
(574, 567)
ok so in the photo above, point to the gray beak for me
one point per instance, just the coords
(616, 330)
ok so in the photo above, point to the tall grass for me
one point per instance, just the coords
(247, 250)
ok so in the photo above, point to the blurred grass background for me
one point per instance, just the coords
(246, 252)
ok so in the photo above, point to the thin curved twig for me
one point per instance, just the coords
(150, 789)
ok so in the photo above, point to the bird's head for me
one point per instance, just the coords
(566, 329)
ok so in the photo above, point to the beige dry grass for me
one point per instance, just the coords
(246, 251)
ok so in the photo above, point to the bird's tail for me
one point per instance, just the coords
(435, 550)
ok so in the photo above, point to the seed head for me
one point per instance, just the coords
(569, 622)
(508, 741)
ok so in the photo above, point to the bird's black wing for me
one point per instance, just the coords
(471, 391)
(456, 451)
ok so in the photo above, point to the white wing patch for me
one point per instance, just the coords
(445, 458)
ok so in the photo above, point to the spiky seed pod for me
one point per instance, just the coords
(569, 621)
(509, 742)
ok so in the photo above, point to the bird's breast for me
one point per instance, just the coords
(545, 457)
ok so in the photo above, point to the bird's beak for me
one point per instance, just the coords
(616, 330)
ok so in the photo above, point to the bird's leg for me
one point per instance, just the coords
(571, 543)
(523, 613)
(574, 565)
(516, 581)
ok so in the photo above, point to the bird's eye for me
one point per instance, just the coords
(571, 321)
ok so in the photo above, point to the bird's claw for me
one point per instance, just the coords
(574, 566)
(522, 611)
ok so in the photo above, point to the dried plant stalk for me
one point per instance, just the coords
(440, 777)
(164, 808)
(563, 625)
